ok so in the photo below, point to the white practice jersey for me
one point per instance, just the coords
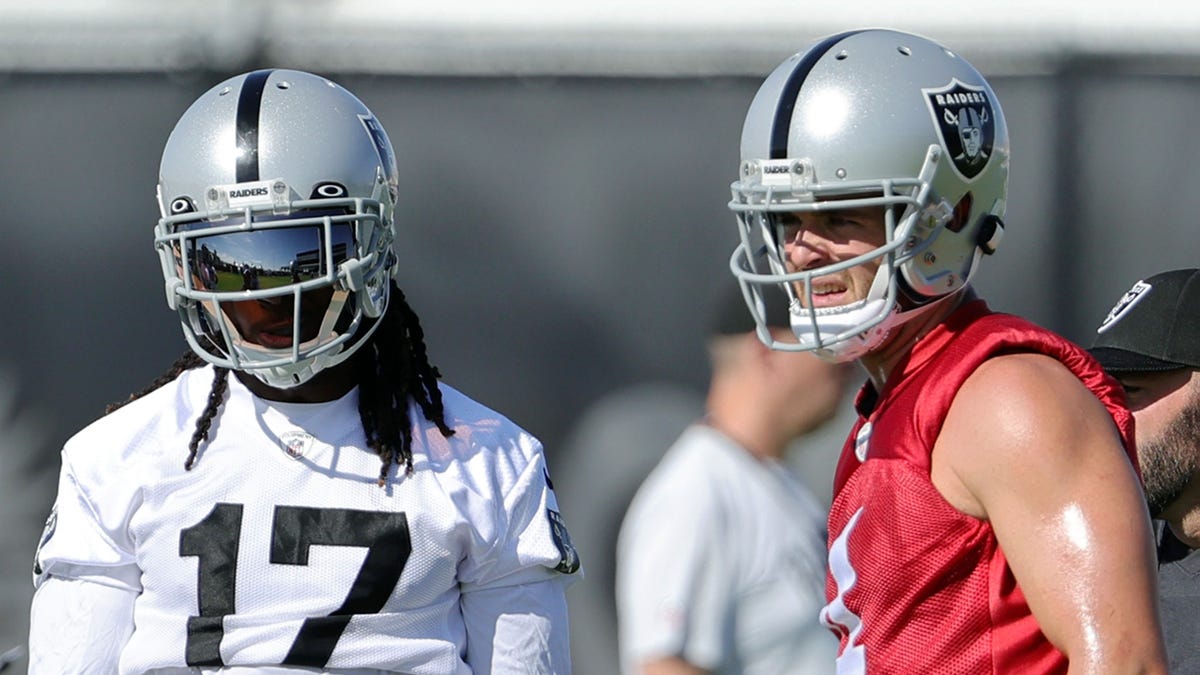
(278, 551)
(720, 561)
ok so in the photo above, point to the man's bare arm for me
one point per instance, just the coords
(1027, 447)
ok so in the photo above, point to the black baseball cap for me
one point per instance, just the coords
(1155, 326)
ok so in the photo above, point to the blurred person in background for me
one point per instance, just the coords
(720, 557)
(1150, 342)
(987, 500)
(330, 507)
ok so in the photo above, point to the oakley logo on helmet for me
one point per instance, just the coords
(966, 124)
(328, 190)
(182, 205)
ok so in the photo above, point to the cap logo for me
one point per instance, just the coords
(1126, 303)
(966, 122)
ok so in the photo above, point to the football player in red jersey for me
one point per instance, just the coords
(987, 515)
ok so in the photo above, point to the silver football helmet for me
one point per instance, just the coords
(277, 186)
(871, 118)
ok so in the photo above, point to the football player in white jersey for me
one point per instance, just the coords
(331, 507)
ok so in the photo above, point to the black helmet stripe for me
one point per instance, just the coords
(249, 103)
(791, 89)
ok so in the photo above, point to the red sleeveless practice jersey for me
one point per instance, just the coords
(914, 585)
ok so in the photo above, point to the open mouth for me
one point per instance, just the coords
(272, 323)
(829, 294)
(276, 339)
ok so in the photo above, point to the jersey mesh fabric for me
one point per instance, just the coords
(928, 584)
(271, 545)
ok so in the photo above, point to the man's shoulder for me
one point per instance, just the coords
(700, 451)
(140, 424)
(484, 442)
(1006, 352)
(701, 461)
(463, 410)
(1020, 393)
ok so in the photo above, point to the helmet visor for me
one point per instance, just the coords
(264, 258)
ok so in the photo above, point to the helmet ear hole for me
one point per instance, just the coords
(962, 211)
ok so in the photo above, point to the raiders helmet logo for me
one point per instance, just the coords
(965, 120)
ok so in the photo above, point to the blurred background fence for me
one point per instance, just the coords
(565, 169)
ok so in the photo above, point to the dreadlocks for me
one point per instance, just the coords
(387, 381)
(387, 378)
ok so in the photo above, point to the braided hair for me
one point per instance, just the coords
(387, 378)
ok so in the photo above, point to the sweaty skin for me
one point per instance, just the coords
(1028, 448)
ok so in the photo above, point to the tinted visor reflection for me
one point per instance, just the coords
(269, 258)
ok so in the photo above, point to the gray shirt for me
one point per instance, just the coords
(721, 561)
(1179, 599)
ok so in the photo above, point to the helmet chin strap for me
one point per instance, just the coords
(822, 338)
(820, 327)
(304, 368)
(292, 375)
